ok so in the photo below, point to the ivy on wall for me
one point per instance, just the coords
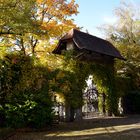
(75, 75)
(104, 78)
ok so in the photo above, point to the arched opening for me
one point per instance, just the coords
(90, 107)
(90, 56)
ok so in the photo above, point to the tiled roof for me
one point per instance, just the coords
(91, 43)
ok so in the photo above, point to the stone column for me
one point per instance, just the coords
(69, 113)
(78, 114)
(103, 103)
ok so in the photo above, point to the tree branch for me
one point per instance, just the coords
(9, 33)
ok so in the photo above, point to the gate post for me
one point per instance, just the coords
(69, 113)
(103, 103)
(78, 114)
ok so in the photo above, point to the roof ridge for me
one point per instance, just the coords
(91, 35)
(91, 42)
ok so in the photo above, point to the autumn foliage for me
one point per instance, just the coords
(24, 24)
(27, 30)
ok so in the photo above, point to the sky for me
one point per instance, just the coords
(94, 13)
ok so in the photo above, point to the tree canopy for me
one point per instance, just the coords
(125, 34)
(23, 24)
(28, 29)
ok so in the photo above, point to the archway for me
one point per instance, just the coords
(90, 106)
(91, 56)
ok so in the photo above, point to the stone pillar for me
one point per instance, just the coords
(69, 113)
(78, 114)
(103, 103)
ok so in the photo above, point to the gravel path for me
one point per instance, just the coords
(117, 128)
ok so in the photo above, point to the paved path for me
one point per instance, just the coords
(127, 128)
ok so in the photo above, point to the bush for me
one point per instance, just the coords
(34, 111)
(131, 102)
(25, 99)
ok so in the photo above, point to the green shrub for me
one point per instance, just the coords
(131, 102)
(24, 92)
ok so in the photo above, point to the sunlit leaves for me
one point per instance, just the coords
(15, 16)
(28, 23)
(125, 34)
